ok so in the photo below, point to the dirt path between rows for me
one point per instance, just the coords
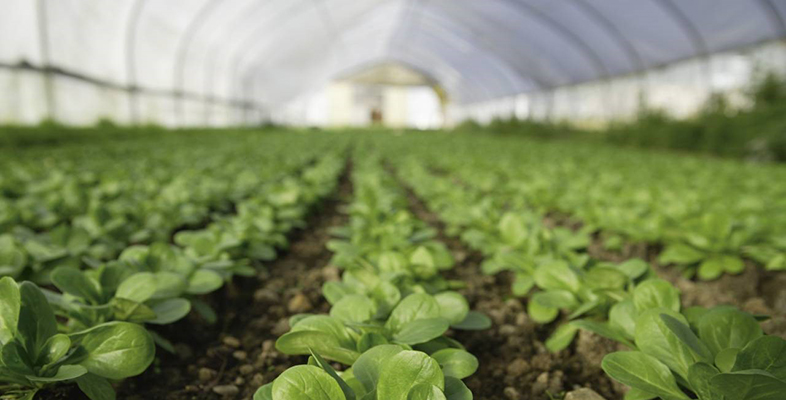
(514, 362)
(233, 358)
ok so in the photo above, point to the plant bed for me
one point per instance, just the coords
(514, 362)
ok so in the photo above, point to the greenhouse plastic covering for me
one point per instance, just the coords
(244, 56)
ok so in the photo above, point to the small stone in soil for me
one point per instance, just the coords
(231, 341)
(583, 394)
(512, 393)
(299, 304)
(246, 369)
(266, 296)
(518, 367)
(226, 390)
(240, 355)
(206, 374)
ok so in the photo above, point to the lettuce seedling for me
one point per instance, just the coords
(33, 355)
(720, 353)
(383, 372)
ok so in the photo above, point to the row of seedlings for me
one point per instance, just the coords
(100, 335)
(391, 312)
(675, 352)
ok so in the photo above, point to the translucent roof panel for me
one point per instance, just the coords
(271, 51)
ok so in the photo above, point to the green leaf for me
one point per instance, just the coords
(749, 385)
(699, 376)
(557, 275)
(265, 392)
(138, 287)
(369, 340)
(421, 330)
(170, 310)
(654, 338)
(638, 394)
(54, 349)
(679, 253)
(633, 268)
(131, 311)
(36, 319)
(561, 299)
(643, 372)
(656, 293)
(328, 325)
(602, 329)
(117, 350)
(76, 283)
(425, 391)
(348, 393)
(96, 387)
(453, 306)
(686, 335)
(404, 371)
(562, 337)
(64, 373)
(204, 281)
(766, 353)
(301, 343)
(455, 389)
(475, 321)
(10, 304)
(368, 366)
(710, 269)
(622, 317)
(725, 359)
(15, 358)
(540, 313)
(522, 284)
(413, 307)
(726, 327)
(456, 363)
(605, 278)
(353, 308)
(306, 382)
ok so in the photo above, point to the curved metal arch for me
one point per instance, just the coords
(501, 55)
(606, 24)
(686, 25)
(482, 50)
(210, 60)
(181, 53)
(469, 77)
(254, 65)
(237, 58)
(417, 12)
(576, 41)
(774, 15)
(132, 26)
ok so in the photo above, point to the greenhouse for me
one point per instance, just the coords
(393, 199)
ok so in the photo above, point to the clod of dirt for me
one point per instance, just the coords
(226, 390)
(299, 304)
(231, 342)
(583, 394)
(206, 374)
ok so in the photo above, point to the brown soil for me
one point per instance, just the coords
(234, 357)
(514, 362)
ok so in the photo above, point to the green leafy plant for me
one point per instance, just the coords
(34, 355)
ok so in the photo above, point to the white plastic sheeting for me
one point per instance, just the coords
(681, 89)
(220, 62)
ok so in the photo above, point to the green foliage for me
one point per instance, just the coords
(34, 355)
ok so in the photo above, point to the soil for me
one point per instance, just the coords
(234, 357)
(514, 362)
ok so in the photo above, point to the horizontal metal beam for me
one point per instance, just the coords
(106, 84)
